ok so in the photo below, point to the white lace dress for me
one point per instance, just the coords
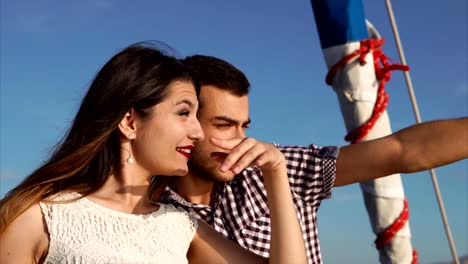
(85, 232)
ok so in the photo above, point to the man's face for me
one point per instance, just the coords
(222, 115)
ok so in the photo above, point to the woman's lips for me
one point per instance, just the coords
(186, 150)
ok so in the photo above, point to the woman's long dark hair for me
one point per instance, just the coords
(136, 78)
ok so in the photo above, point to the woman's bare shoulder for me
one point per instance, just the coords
(25, 240)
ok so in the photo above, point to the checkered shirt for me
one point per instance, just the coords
(241, 211)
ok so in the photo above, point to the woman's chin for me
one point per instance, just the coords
(181, 172)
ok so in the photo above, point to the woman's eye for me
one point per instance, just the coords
(184, 113)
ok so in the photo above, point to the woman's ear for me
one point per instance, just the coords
(127, 125)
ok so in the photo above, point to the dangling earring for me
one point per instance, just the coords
(130, 159)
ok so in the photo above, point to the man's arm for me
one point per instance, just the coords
(287, 241)
(416, 148)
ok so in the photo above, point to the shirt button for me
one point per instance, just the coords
(323, 151)
(328, 152)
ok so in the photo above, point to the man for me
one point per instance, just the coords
(226, 191)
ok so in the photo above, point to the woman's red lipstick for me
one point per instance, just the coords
(185, 150)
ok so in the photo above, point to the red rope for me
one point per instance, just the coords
(388, 234)
(383, 73)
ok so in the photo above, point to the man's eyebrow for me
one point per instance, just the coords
(232, 121)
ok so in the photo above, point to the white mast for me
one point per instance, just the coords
(341, 26)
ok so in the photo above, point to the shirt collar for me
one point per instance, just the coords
(171, 196)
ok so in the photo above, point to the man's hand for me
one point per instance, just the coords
(245, 152)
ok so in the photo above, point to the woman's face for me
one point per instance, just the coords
(164, 141)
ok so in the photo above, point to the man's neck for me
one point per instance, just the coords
(194, 189)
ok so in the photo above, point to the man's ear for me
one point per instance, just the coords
(127, 125)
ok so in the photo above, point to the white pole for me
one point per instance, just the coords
(418, 120)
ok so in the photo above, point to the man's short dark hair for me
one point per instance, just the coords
(208, 70)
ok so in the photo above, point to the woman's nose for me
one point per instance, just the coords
(197, 132)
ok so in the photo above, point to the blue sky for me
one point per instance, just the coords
(50, 51)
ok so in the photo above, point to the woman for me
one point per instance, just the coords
(88, 203)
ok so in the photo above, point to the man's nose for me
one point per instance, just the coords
(240, 132)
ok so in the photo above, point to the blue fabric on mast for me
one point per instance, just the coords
(339, 21)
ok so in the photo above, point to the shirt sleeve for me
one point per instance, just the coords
(311, 171)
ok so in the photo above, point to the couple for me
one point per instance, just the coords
(89, 202)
